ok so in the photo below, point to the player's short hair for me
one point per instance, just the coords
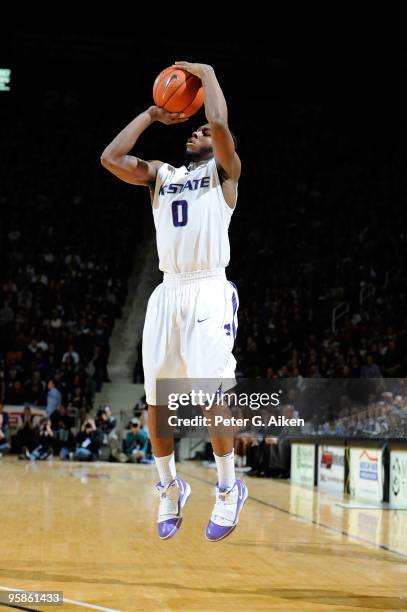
(232, 134)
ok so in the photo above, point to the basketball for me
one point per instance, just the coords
(178, 91)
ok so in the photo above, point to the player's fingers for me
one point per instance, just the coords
(180, 120)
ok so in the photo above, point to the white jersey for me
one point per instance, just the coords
(191, 218)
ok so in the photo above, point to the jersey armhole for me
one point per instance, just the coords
(162, 174)
(229, 209)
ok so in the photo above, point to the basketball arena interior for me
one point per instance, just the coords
(318, 252)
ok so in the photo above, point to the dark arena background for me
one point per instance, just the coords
(318, 254)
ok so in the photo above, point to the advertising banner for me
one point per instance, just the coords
(366, 474)
(303, 464)
(331, 468)
(398, 478)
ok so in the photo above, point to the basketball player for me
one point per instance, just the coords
(191, 317)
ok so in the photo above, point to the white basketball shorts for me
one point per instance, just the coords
(190, 329)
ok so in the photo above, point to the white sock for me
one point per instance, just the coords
(166, 468)
(226, 470)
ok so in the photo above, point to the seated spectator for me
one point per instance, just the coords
(106, 420)
(136, 443)
(4, 436)
(107, 425)
(61, 423)
(25, 438)
(45, 439)
(88, 442)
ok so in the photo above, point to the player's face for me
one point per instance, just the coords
(199, 144)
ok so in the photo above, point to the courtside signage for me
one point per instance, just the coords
(331, 468)
(366, 474)
(303, 464)
(398, 478)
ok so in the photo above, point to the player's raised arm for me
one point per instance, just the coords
(217, 116)
(129, 168)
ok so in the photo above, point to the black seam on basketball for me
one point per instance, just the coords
(159, 81)
(175, 91)
(191, 103)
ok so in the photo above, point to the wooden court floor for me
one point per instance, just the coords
(89, 530)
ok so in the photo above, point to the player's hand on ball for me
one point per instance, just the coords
(195, 69)
(163, 116)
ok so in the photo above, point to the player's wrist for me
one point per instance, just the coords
(153, 112)
(205, 71)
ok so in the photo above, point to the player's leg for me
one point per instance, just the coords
(163, 447)
(209, 339)
(222, 441)
(173, 491)
(231, 493)
(160, 361)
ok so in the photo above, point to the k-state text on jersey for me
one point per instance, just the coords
(192, 185)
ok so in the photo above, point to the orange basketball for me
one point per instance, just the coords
(178, 91)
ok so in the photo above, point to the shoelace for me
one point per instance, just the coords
(225, 506)
(168, 506)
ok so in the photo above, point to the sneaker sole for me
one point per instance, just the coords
(233, 527)
(177, 526)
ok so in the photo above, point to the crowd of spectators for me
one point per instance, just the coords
(39, 438)
(321, 223)
(67, 243)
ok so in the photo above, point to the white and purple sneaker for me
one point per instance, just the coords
(173, 498)
(225, 514)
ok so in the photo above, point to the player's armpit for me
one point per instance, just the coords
(132, 169)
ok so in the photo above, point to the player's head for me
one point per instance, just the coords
(199, 144)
